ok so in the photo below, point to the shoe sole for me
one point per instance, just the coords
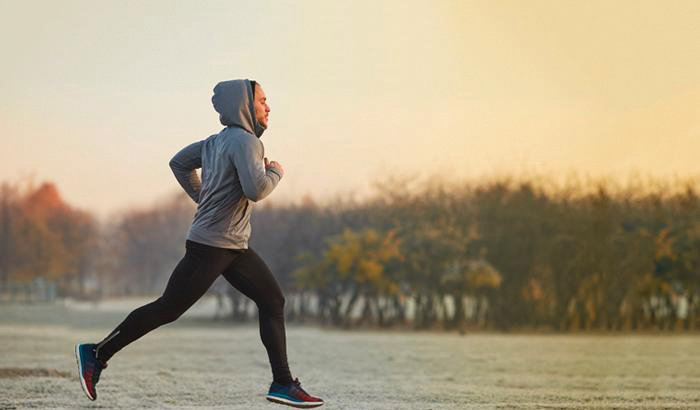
(80, 373)
(280, 400)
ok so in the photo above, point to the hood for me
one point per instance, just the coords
(233, 100)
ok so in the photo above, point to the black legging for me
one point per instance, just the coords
(195, 273)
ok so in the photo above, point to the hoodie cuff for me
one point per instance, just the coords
(276, 172)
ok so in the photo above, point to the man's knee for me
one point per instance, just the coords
(171, 316)
(169, 312)
(273, 304)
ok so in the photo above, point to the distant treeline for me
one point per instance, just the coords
(495, 254)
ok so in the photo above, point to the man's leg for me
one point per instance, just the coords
(192, 276)
(252, 277)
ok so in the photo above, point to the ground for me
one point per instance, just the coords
(199, 363)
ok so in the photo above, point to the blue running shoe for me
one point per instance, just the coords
(292, 395)
(89, 368)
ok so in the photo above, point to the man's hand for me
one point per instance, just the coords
(273, 164)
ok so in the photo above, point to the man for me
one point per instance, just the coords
(235, 174)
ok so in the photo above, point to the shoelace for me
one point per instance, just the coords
(297, 383)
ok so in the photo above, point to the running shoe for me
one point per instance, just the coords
(89, 368)
(292, 395)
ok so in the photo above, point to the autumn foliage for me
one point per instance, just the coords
(498, 254)
(41, 235)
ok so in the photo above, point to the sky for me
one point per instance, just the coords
(98, 96)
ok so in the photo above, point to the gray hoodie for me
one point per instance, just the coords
(233, 172)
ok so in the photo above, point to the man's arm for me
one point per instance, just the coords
(257, 181)
(184, 164)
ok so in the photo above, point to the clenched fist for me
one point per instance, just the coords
(273, 164)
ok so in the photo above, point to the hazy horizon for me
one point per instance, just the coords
(97, 97)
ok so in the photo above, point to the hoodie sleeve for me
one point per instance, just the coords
(183, 165)
(257, 183)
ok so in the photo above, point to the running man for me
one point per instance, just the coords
(235, 174)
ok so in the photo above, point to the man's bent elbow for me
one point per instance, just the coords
(174, 165)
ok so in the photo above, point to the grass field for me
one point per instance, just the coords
(197, 363)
